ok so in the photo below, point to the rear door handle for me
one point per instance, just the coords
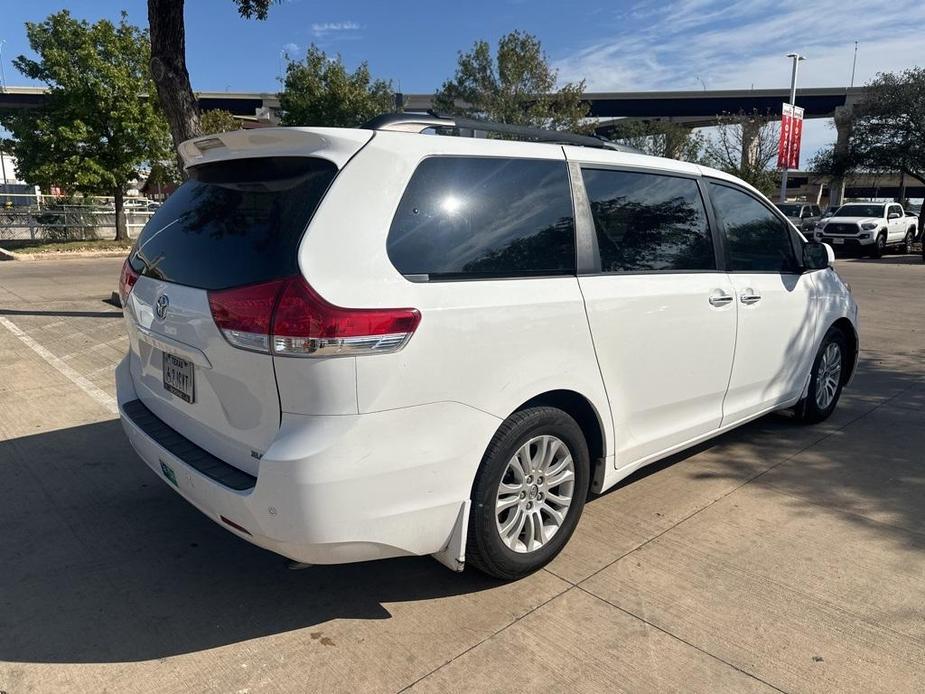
(749, 296)
(719, 298)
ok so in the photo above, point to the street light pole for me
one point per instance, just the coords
(793, 97)
(2, 76)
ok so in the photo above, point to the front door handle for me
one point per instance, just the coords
(719, 298)
(749, 296)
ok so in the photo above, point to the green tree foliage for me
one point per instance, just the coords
(744, 145)
(93, 131)
(515, 86)
(218, 120)
(660, 139)
(321, 91)
(888, 132)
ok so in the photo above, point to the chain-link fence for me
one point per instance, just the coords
(37, 217)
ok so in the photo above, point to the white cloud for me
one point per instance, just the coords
(696, 44)
(324, 30)
(736, 46)
(290, 49)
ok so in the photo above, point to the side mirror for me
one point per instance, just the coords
(806, 213)
(893, 215)
(817, 255)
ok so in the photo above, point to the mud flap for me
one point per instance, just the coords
(453, 556)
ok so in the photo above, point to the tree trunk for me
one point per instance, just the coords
(168, 69)
(121, 225)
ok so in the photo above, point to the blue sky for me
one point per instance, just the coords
(672, 44)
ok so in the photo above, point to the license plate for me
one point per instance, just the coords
(169, 473)
(838, 242)
(178, 377)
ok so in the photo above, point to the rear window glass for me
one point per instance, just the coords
(233, 223)
(481, 217)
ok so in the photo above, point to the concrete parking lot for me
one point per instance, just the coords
(775, 558)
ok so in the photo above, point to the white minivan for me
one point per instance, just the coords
(352, 344)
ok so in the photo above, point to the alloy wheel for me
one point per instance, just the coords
(535, 493)
(828, 375)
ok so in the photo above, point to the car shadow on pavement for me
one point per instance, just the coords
(101, 562)
(912, 259)
(866, 463)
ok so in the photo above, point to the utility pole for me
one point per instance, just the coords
(2, 76)
(793, 97)
(854, 63)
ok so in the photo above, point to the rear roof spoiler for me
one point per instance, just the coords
(417, 122)
(334, 144)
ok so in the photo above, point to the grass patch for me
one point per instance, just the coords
(38, 246)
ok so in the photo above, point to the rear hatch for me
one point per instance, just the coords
(238, 221)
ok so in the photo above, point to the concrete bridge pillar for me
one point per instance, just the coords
(843, 119)
(751, 128)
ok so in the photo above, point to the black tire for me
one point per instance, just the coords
(879, 247)
(485, 548)
(808, 410)
(907, 242)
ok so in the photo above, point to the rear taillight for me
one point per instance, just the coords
(243, 314)
(127, 279)
(289, 318)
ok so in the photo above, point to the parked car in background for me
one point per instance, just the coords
(803, 215)
(353, 344)
(868, 227)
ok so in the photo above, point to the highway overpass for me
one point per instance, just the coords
(692, 108)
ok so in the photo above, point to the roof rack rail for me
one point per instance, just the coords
(416, 122)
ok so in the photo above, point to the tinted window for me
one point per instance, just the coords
(233, 223)
(860, 211)
(484, 217)
(756, 240)
(648, 222)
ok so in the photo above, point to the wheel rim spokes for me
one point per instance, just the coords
(828, 375)
(535, 493)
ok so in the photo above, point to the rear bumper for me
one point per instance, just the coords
(338, 489)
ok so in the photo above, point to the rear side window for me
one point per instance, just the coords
(233, 223)
(648, 222)
(484, 217)
(756, 239)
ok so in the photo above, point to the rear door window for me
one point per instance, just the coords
(484, 217)
(756, 239)
(233, 223)
(649, 222)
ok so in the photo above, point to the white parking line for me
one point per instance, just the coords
(103, 398)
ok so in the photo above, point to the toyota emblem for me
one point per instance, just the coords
(160, 308)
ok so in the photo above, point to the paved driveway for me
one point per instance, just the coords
(778, 557)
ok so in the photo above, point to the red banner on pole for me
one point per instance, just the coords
(791, 133)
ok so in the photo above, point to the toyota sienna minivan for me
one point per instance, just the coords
(353, 344)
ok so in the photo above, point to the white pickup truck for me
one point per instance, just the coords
(869, 227)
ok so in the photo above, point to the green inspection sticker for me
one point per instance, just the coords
(169, 473)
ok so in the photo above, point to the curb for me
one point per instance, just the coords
(59, 255)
